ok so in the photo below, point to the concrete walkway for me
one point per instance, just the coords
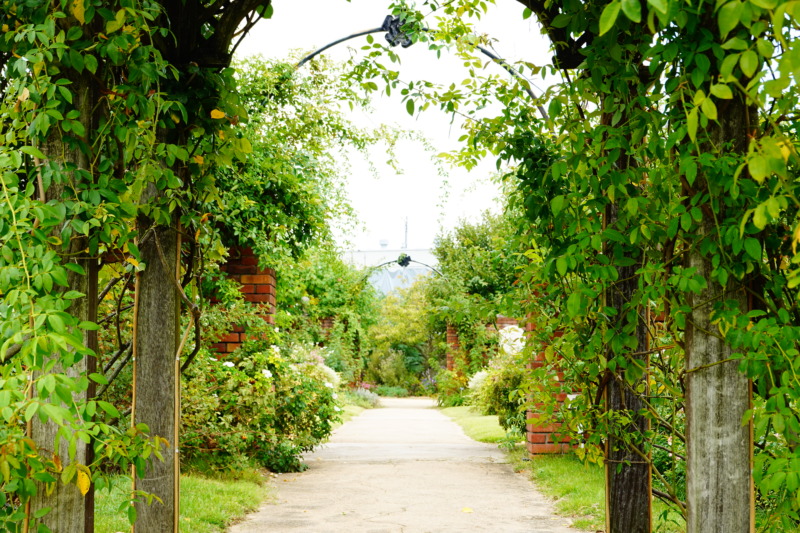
(406, 468)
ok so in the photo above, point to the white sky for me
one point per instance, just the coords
(428, 200)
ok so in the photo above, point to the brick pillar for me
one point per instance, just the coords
(453, 346)
(257, 287)
(541, 437)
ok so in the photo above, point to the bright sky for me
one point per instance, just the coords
(428, 200)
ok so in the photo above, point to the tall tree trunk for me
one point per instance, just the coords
(155, 375)
(628, 475)
(71, 512)
(718, 469)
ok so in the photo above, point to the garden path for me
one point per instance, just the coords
(406, 468)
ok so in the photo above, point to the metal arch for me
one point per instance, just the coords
(391, 25)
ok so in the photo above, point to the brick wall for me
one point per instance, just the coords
(257, 286)
(453, 346)
(542, 437)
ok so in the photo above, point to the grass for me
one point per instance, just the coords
(579, 490)
(208, 505)
(478, 427)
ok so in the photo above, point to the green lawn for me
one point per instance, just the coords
(207, 505)
(478, 427)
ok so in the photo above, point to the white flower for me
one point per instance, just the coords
(335, 408)
(335, 395)
(512, 340)
(267, 373)
(329, 384)
(275, 349)
(228, 364)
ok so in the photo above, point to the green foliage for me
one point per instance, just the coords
(390, 391)
(451, 388)
(496, 391)
(256, 406)
(284, 195)
(405, 341)
(324, 301)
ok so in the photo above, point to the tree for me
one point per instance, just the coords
(101, 100)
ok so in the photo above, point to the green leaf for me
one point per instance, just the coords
(758, 166)
(561, 21)
(778, 422)
(32, 151)
(709, 109)
(728, 17)
(574, 304)
(765, 48)
(108, 408)
(57, 323)
(753, 248)
(760, 217)
(410, 106)
(749, 63)
(98, 378)
(720, 90)
(561, 265)
(691, 124)
(30, 411)
(90, 62)
(659, 5)
(557, 204)
(609, 16)
(632, 10)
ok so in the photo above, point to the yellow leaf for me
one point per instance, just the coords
(84, 482)
(132, 261)
(78, 11)
(216, 113)
(57, 462)
(786, 151)
(795, 239)
(199, 159)
(466, 510)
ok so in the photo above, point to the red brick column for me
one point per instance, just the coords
(542, 437)
(453, 346)
(257, 287)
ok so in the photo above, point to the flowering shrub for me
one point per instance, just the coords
(363, 398)
(256, 406)
(496, 390)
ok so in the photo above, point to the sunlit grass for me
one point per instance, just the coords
(207, 505)
(483, 428)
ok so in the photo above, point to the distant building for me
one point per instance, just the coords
(392, 276)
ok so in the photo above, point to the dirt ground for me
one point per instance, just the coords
(408, 468)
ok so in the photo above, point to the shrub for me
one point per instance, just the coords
(255, 406)
(495, 391)
(362, 398)
(451, 389)
(395, 392)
